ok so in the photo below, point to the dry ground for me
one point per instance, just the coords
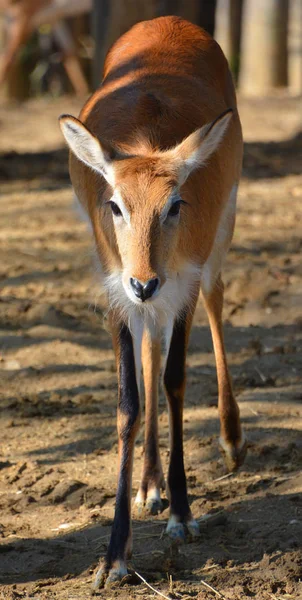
(58, 383)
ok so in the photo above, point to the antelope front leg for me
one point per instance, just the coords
(181, 519)
(232, 441)
(148, 496)
(113, 567)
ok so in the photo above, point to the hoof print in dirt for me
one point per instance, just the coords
(65, 490)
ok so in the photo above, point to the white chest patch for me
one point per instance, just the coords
(173, 296)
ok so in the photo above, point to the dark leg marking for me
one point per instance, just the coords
(174, 381)
(128, 421)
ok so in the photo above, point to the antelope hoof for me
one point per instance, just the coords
(154, 506)
(193, 529)
(234, 455)
(180, 532)
(106, 577)
(139, 507)
(176, 532)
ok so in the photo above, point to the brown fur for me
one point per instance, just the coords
(152, 476)
(230, 428)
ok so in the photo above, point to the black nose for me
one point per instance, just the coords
(146, 290)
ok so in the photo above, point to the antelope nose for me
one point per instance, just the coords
(143, 291)
(150, 287)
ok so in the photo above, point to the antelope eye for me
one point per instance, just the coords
(115, 209)
(175, 208)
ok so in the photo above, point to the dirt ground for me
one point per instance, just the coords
(58, 448)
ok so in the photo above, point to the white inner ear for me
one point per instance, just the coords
(199, 145)
(86, 147)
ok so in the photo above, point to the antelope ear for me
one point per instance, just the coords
(199, 145)
(86, 147)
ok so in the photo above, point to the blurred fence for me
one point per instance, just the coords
(56, 46)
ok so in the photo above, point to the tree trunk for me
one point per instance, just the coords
(264, 46)
(18, 84)
(200, 12)
(187, 9)
(295, 47)
(206, 15)
(228, 31)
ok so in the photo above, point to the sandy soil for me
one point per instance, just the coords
(58, 384)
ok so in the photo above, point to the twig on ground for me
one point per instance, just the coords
(170, 579)
(151, 586)
(254, 412)
(101, 537)
(212, 589)
(262, 377)
(210, 567)
(144, 536)
(151, 524)
(223, 477)
(206, 518)
(154, 552)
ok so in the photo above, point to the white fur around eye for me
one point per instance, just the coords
(118, 200)
(164, 214)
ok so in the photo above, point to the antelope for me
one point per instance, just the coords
(155, 161)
